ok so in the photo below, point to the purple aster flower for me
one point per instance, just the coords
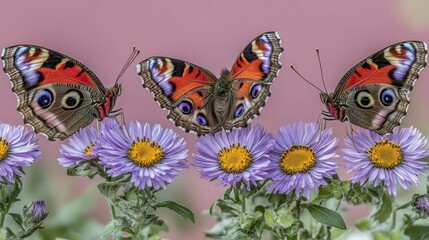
(238, 156)
(390, 159)
(18, 148)
(152, 155)
(421, 205)
(81, 147)
(38, 210)
(301, 159)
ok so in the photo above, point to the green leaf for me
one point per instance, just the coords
(114, 226)
(385, 209)
(417, 232)
(364, 225)
(212, 207)
(324, 193)
(83, 169)
(270, 218)
(219, 230)
(17, 218)
(395, 236)
(218, 235)
(109, 189)
(129, 209)
(132, 195)
(226, 206)
(326, 216)
(403, 206)
(285, 217)
(227, 194)
(260, 209)
(179, 209)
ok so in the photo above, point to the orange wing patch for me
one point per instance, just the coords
(198, 98)
(66, 72)
(242, 69)
(244, 89)
(369, 73)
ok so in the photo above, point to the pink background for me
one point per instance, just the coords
(100, 34)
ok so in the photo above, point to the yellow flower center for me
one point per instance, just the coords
(297, 159)
(4, 149)
(386, 154)
(88, 150)
(235, 159)
(145, 153)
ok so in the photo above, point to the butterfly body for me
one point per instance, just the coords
(200, 102)
(375, 93)
(57, 95)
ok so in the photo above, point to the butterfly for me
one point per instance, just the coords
(374, 94)
(200, 102)
(57, 95)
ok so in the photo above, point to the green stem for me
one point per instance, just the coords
(298, 208)
(18, 187)
(3, 215)
(338, 205)
(243, 201)
(112, 210)
(320, 233)
(393, 220)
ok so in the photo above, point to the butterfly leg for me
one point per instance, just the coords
(321, 121)
(323, 117)
(118, 112)
(350, 135)
(98, 125)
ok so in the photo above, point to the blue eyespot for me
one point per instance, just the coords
(255, 90)
(239, 111)
(45, 98)
(185, 107)
(387, 97)
(202, 120)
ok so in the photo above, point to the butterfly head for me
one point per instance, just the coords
(116, 90)
(334, 109)
(223, 86)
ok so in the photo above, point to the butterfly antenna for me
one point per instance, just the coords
(321, 71)
(135, 52)
(303, 78)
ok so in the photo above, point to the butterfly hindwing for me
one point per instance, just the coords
(56, 94)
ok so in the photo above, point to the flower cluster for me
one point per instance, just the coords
(151, 155)
(135, 161)
(390, 159)
(300, 158)
(281, 171)
(18, 149)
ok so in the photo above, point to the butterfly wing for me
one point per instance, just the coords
(57, 95)
(252, 74)
(183, 88)
(374, 93)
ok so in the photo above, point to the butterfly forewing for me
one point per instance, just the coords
(57, 95)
